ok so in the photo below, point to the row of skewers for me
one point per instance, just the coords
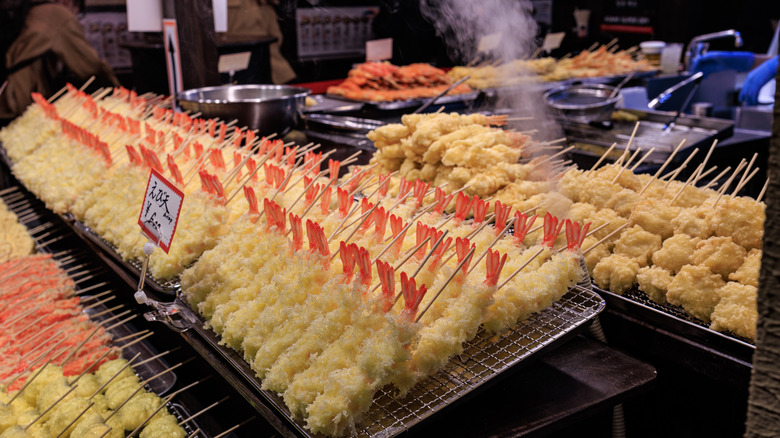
(63, 373)
(398, 342)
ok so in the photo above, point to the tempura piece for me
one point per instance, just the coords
(654, 281)
(637, 244)
(720, 254)
(695, 288)
(675, 253)
(736, 312)
(747, 274)
(616, 273)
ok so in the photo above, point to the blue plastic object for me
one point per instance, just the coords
(757, 79)
(712, 62)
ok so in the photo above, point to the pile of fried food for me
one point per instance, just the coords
(468, 152)
(340, 331)
(683, 245)
(60, 374)
(14, 239)
(587, 64)
(384, 82)
(109, 402)
(675, 231)
(90, 156)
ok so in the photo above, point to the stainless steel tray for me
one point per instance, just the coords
(168, 287)
(484, 358)
(410, 103)
(677, 320)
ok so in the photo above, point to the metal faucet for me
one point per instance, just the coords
(700, 44)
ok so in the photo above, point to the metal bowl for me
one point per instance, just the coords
(584, 102)
(267, 108)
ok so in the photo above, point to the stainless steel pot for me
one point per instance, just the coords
(583, 103)
(267, 108)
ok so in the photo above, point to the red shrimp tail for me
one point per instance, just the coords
(296, 226)
(494, 264)
(334, 166)
(317, 240)
(462, 247)
(522, 226)
(386, 275)
(347, 261)
(363, 259)
(420, 189)
(380, 224)
(345, 201)
(502, 214)
(442, 201)
(404, 187)
(480, 209)
(251, 199)
(384, 185)
(552, 227)
(325, 201)
(462, 206)
(575, 234)
(422, 233)
(412, 295)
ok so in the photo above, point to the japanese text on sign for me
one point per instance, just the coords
(160, 210)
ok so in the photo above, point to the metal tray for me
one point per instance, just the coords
(342, 123)
(484, 358)
(410, 103)
(168, 287)
(697, 131)
(677, 320)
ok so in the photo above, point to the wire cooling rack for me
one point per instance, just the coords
(484, 358)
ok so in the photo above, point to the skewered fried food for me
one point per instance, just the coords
(616, 273)
(747, 274)
(736, 311)
(695, 288)
(637, 244)
(654, 281)
(742, 219)
(720, 254)
(676, 252)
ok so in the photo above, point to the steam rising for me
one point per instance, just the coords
(463, 23)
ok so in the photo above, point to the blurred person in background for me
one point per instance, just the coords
(44, 47)
(256, 18)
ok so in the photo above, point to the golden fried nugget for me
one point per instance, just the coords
(695, 288)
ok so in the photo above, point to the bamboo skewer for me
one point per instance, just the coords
(763, 191)
(517, 271)
(225, 433)
(602, 158)
(446, 283)
(76, 419)
(201, 412)
(62, 397)
(162, 405)
(604, 239)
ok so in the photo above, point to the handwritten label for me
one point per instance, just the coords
(552, 41)
(489, 42)
(234, 62)
(379, 50)
(160, 210)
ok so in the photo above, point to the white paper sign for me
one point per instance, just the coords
(160, 210)
(144, 15)
(489, 42)
(379, 50)
(552, 41)
(220, 15)
(172, 55)
(234, 62)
